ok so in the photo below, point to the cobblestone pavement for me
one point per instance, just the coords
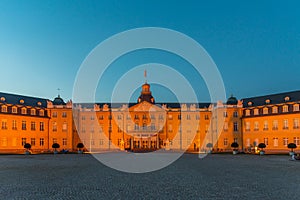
(72, 176)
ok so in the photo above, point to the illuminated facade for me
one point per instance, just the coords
(148, 126)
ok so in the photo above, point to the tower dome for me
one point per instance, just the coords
(232, 101)
(58, 101)
(146, 94)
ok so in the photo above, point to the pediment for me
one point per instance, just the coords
(145, 106)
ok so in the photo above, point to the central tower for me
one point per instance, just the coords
(146, 94)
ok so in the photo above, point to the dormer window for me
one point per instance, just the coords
(285, 108)
(32, 111)
(21, 101)
(41, 113)
(247, 113)
(286, 98)
(274, 109)
(256, 111)
(14, 110)
(39, 103)
(268, 101)
(296, 107)
(24, 111)
(2, 98)
(4, 109)
(266, 111)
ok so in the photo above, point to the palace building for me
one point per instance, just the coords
(148, 125)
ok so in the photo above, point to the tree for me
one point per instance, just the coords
(262, 146)
(27, 146)
(80, 145)
(292, 146)
(55, 146)
(234, 145)
(209, 145)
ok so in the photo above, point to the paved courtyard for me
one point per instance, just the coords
(72, 176)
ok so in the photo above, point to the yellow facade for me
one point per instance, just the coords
(146, 126)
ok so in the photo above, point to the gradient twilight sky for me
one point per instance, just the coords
(255, 44)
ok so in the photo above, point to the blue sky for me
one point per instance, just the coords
(255, 44)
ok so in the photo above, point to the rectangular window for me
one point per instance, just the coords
(33, 126)
(285, 124)
(266, 141)
(4, 124)
(275, 142)
(64, 114)
(23, 141)
(14, 124)
(235, 114)
(275, 110)
(285, 141)
(152, 127)
(225, 126)
(225, 141)
(225, 114)
(248, 142)
(188, 117)
(235, 126)
(101, 117)
(256, 126)
(206, 128)
(64, 141)
(235, 140)
(179, 116)
(32, 141)
(275, 125)
(206, 117)
(42, 127)
(101, 142)
(296, 123)
(54, 114)
(247, 126)
(54, 140)
(266, 125)
(296, 140)
(64, 127)
(256, 111)
(4, 141)
(23, 125)
(54, 126)
(42, 142)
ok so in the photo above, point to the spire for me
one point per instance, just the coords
(58, 92)
(145, 75)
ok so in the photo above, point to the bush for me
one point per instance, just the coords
(262, 145)
(234, 145)
(209, 145)
(80, 145)
(55, 146)
(292, 146)
(27, 146)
